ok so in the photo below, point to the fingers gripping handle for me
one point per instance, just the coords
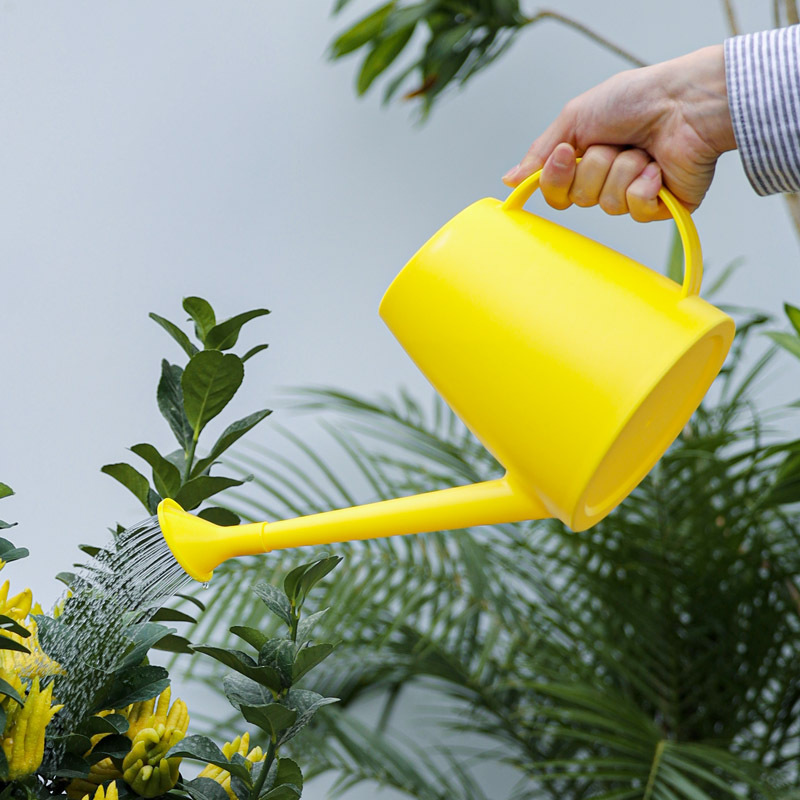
(692, 253)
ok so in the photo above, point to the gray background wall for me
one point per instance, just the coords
(151, 150)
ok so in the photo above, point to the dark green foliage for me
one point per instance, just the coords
(261, 690)
(459, 40)
(189, 398)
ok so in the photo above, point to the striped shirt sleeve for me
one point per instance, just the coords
(763, 76)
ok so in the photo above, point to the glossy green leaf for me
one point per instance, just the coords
(209, 382)
(205, 789)
(171, 615)
(364, 31)
(241, 690)
(243, 664)
(231, 434)
(176, 333)
(788, 341)
(8, 552)
(278, 654)
(174, 644)
(306, 703)
(131, 479)
(201, 748)
(5, 490)
(170, 403)
(219, 516)
(272, 719)
(299, 582)
(70, 766)
(166, 476)
(254, 351)
(793, 313)
(275, 600)
(307, 624)
(308, 658)
(111, 723)
(252, 636)
(133, 685)
(141, 638)
(9, 691)
(193, 492)
(114, 746)
(225, 334)
(11, 625)
(10, 644)
(203, 315)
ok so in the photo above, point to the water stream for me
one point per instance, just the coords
(123, 584)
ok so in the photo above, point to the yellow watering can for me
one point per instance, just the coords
(574, 365)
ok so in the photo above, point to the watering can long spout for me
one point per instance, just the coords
(200, 546)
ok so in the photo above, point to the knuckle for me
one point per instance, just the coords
(611, 205)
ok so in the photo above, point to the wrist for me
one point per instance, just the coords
(697, 90)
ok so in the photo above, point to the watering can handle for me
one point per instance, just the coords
(692, 253)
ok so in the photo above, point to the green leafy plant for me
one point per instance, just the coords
(189, 398)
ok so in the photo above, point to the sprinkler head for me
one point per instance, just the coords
(200, 546)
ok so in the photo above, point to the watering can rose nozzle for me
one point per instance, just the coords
(574, 365)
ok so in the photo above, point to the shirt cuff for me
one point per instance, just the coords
(762, 71)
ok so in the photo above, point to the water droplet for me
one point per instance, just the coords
(206, 584)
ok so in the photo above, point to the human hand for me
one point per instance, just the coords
(668, 123)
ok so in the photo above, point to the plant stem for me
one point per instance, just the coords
(539, 16)
(262, 776)
(187, 469)
(730, 14)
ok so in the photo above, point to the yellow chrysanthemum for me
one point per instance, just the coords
(153, 733)
(108, 793)
(23, 738)
(222, 776)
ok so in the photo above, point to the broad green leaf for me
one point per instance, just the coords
(10, 553)
(112, 723)
(299, 582)
(381, 56)
(114, 746)
(9, 691)
(193, 492)
(166, 476)
(209, 382)
(244, 664)
(10, 625)
(275, 600)
(364, 31)
(133, 685)
(5, 491)
(141, 638)
(278, 654)
(788, 341)
(252, 636)
(170, 403)
(176, 333)
(205, 789)
(272, 719)
(306, 704)
(793, 313)
(241, 690)
(171, 615)
(219, 516)
(224, 335)
(203, 315)
(70, 766)
(201, 748)
(4, 524)
(174, 644)
(253, 351)
(289, 772)
(307, 624)
(131, 479)
(231, 434)
(308, 658)
(285, 792)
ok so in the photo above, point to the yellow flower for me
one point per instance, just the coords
(23, 739)
(222, 776)
(109, 793)
(153, 733)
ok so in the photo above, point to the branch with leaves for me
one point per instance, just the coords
(189, 398)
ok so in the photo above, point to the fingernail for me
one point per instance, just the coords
(652, 170)
(562, 157)
(510, 174)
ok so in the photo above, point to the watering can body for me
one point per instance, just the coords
(574, 365)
